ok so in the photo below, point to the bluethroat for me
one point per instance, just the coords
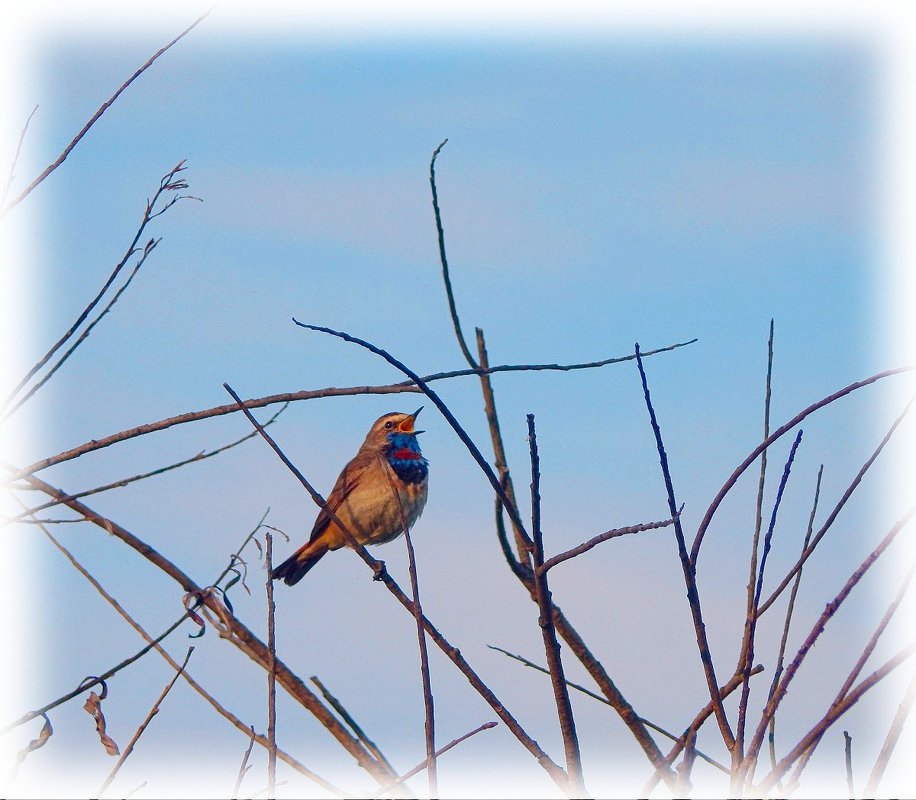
(378, 491)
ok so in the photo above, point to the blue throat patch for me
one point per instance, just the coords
(405, 458)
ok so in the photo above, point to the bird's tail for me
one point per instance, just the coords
(294, 568)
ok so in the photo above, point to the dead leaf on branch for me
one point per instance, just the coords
(94, 707)
(43, 736)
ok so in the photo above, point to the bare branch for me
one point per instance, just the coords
(271, 672)
(548, 631)
(203, 454)
(15, 161)
(286, 397)
(166, 183)
(456, 322)
(849, 782)
(422, 765)
(778, 433)
(890, 741)
(347, 717)
(243, 767)
(693, 597)
(603, 537)
(432, 772)
(224, 712)
(833, 715)
(780, 658)
(836, 509)
(95, 117)
(143, 726)
(381, 574)
(751, 627)
(233, 630)
(816, 630)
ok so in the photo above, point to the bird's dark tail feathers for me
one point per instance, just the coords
(294, 568)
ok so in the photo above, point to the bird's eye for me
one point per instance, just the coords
(389, 425)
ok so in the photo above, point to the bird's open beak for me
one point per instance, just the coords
(407, 425)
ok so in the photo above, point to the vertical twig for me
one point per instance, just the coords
(521, 568)
(432, 773)
(271, 673)
(548, 631)
(557, 774)
(522, 541)
(444, 260)
(780, 659)
(751, 629)
(143, 725)
(243, 767)
(849, 782)
(689, 570)
(744, 656)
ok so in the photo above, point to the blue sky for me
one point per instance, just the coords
(597, 190)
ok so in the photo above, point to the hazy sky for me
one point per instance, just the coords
(600, 187)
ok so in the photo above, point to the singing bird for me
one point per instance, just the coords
(378, 491)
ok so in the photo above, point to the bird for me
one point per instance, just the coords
(382, 488)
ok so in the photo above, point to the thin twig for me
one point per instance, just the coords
(833, 715)
(780, 658)
(95, 117)
(143, 725)
(348, 718)
(746, 657)
(565, 716)
(96, 680)
(862, 660)
(243, 767)
(890, 741)
(816, 630)
(603, 537)
(228, 715)
(233, 630)
(705, 713)
(848, 751)
(444, 261)
(381, 574)
(693, 597)
(15, 161)
(520, 564)
(271, 672)
(166, 183)
(601, 699)
(429, 726)
(422, 765)
(119, 484)
(778, 433)
(836, 509)
(285, 397)
(150, 246)
(751, 629)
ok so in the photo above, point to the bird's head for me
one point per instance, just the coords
(392, 428)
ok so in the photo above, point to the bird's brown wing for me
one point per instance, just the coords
(347, 481)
